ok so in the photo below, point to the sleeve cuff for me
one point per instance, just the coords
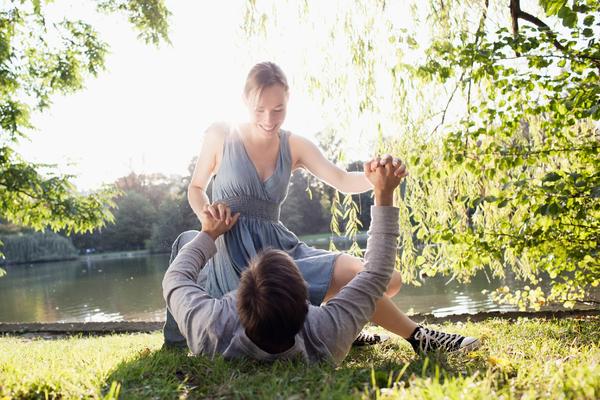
(205, 243)
(384, 219)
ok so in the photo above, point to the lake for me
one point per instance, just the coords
(94, 289)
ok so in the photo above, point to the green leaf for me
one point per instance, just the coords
(588, 20)
(503, 203)
(587, 32)
(551, 7)
(569, 18)
(551, 177)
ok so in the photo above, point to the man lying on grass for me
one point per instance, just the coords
(269, 316)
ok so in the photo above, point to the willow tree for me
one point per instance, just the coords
(39, 58)
(495, 105)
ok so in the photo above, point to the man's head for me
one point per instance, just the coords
(272, 298)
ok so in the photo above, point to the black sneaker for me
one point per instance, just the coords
(365, 338)
(425, 340)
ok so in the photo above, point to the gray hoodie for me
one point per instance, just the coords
(212, 326)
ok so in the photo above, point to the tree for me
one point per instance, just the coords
(303, 211)
(134, 218)
(498, 122)
(174, 214)
(134, 215)
(38, 59)
(528, 149)
(146, 201)
(37, 247)
(155, 187)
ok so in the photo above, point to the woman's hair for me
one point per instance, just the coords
(263, 75)
(272, 298)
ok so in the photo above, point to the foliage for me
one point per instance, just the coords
(133, 223)
(174, 216)
(39, 58)
(162, 199)
(499, 129)
(518, 359)
(524, 158)
(36, 247)
(137, 212)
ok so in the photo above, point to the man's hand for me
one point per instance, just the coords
(216, 219)
(385, 174)
(397, 164)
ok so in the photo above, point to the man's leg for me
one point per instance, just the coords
(389, 316)
(172, 335)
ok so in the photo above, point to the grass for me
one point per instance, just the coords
(523, 359)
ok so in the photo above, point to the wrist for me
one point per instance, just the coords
(384, 198)
(213, 234)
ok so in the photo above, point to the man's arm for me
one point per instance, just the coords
(188, 302)
(191, 307)
(338, 322)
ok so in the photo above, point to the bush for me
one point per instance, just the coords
(36, 247)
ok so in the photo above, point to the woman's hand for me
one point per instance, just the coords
(398, 167)
(385, 174)
(216, 219)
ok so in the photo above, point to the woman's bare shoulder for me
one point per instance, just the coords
(298, 140)
(218, 130)
(300, 146)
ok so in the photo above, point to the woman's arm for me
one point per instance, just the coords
(207, 165)
(307, 155)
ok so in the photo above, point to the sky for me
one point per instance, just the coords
(147, 111)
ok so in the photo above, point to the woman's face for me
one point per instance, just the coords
(267, 113)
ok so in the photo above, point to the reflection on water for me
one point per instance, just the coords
(130, 289)
(84, 290)
(440, 300)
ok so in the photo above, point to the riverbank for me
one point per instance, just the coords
(320, 240)
(523, 358)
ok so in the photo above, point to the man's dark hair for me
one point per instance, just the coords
(272, 298)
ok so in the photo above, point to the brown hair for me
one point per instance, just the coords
(272, 298)
(263, 75)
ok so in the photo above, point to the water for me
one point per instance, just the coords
(130, 289)
(84, 290)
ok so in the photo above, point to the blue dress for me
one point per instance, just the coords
(238, 184)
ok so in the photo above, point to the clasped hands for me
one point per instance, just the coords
(385, 174)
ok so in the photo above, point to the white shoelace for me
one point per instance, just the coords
(367, 338)
(431, 340)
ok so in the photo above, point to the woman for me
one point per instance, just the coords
(251, 165)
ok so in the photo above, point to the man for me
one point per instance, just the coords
(269, 316)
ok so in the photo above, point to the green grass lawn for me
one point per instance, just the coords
(522, 359)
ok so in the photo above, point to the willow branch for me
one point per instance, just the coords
(516, 13)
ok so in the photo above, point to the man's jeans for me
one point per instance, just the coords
(172, 335)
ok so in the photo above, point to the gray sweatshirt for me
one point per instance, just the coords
(212, 326)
